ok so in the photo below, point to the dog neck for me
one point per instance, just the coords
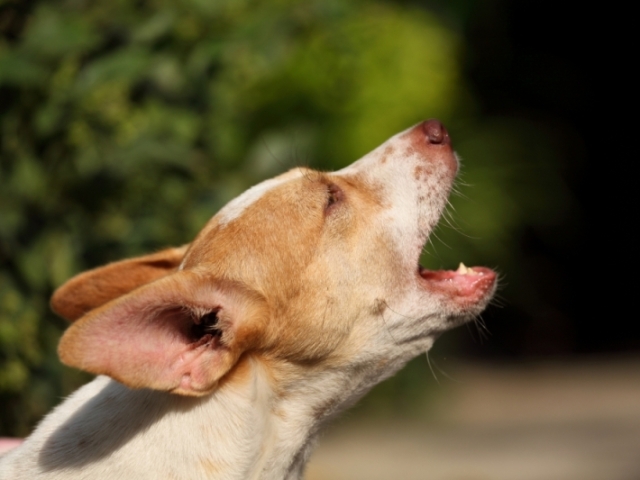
(246, 429)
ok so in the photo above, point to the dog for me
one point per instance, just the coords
(222, 359)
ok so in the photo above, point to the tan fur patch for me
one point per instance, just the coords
(94, 288)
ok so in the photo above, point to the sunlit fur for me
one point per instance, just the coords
(313, 280)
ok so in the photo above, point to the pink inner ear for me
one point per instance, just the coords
(149, 339)
(162, 349)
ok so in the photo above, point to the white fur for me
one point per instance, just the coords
(238, 205)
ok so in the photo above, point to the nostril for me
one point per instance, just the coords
(435, 132)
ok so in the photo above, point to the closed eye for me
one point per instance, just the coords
(335, 196)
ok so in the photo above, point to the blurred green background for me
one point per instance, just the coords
(125, 125)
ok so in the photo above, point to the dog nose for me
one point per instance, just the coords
(435, 132)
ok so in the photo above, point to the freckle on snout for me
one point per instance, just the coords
(409, 152)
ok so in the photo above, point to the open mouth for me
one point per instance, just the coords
(466, 285)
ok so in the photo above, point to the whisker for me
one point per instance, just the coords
(431, 368)
(443, 373)
(277, 159)
(386, 326)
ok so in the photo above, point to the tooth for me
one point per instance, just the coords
(464, 270)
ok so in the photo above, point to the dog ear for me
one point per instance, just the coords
(94, 288)
(180, 334)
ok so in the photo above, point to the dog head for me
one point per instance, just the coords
(306, 270)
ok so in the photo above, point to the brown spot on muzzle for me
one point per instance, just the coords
(421, 172)
(388, 152)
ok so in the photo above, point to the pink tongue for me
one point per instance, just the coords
(457, 283)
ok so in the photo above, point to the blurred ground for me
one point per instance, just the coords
(544, 421)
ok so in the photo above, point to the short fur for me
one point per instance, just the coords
(224, 358)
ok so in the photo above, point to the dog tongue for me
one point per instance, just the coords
(465, 281)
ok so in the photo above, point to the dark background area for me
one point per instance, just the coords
(563, 67)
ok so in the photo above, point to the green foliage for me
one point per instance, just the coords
(125, 125)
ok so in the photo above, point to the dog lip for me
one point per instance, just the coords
(468, 284)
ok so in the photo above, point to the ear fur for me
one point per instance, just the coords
(94, 288)
(154, 336)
